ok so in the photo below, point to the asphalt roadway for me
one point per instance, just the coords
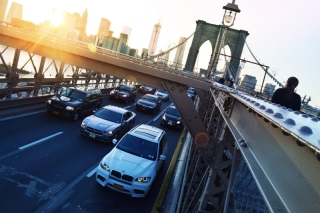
(47, 166)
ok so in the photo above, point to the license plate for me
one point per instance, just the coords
(55, 112)
(117, 186)
(170, 123)
(92, 135)
(143, 109)
(117, 97)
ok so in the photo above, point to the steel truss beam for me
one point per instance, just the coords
(212, 163)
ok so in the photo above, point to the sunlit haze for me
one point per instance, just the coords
(283, 35)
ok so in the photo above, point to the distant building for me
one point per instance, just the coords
(104, 28)
(133, 52)
(177, 62)
(269, 89)
(15, 11)
(154, 39)
(127, 30)
(3, 9)
(248, 82)
(123, 41)
(110, 43)
(82, 25)
(144, 52)
(163, 58)
(125, 49)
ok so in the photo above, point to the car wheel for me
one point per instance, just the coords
(75, 116)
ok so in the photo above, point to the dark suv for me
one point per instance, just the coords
(124, 93)
(72, 102)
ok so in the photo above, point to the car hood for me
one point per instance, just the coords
(146, 103)
(100, 124)
(128, 164)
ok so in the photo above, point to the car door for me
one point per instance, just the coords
(162, 151)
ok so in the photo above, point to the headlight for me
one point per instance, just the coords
(108, 132)
(69, 108)
(49, 101)
(143, 179)
(178, 122)
(84, 125)
(104, 166)
(124, 96)
(112, 92)
(163, 117)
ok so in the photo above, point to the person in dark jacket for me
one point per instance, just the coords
(286, 96)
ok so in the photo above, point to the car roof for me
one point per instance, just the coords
(147, 132)
(116, 108)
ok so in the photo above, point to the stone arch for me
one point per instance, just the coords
(205, 31)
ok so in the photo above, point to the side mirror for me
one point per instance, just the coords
(114, 141)
(162, 157)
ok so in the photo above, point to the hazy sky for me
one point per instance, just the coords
(283, 35)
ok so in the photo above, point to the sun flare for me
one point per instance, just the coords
(56, 19)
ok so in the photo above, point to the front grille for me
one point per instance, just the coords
(95, 131)
(124, 177)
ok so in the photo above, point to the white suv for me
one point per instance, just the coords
(132, 165)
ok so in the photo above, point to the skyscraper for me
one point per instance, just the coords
(127, 30)
(154, 39)
(15, 11)
(83, 25)
(103, 28)
(3, 9)
(177, 62)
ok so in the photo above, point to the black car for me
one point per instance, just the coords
(191, 93)
(72, 103)
(149, 103)
(147, 89)
(171, 118)
(108, 123)
(124, 93)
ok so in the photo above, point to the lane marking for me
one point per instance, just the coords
(92, 172)
(22, 115)
(161, 113)
(39, 141)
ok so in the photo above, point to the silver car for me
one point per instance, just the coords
(163, 94)
(108, 123)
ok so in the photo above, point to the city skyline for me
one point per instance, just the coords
(281, 39)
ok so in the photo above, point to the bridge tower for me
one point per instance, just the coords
(205, 31)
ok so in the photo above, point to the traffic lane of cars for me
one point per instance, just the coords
(46, 168)
(92, 197)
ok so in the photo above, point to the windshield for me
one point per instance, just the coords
(74, 94)
(149, 99)
(109, 115)
(173, 111)
(162, 91)
(139, 147)
(124, 88)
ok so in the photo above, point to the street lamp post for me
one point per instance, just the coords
(231, 10)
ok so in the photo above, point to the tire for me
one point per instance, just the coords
(76, 116)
